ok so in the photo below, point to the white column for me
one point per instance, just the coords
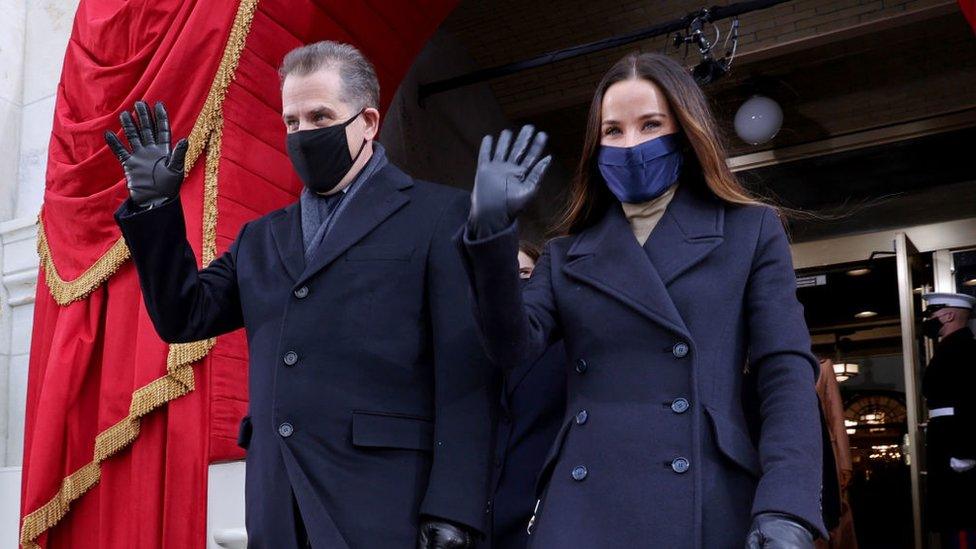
(33, 37)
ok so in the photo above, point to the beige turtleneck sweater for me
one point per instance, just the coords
(643, 217)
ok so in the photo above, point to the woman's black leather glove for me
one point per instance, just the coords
(437, 534)
(506, 180)
(153, 173)
(778, 531)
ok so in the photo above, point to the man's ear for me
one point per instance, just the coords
(371, 117)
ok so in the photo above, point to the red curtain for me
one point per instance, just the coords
(968, 8)
(117, 442)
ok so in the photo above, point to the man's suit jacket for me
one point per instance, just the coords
(369, 399)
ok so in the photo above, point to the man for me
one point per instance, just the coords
(369, 421)
(948, 386)
(533, 403)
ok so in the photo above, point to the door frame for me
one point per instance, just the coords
(938, 238)
(904, 251)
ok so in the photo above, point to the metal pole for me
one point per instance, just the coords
(712, 14)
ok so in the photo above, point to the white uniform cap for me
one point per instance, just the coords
(940, 300)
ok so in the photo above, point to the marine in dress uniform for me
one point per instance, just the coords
(949, 387)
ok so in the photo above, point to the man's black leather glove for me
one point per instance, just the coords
(153, 173)
(506, 180)
(778, 531)
(437, 534)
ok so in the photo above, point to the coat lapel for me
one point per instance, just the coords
(691, 227)
(286, 229)
(609, 258)
(379, 197)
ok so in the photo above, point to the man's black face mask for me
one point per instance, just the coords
(931, 328)
(321, 156)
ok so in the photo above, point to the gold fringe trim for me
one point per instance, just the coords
(66, 292)
(178, 381)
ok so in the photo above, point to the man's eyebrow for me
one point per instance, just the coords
(322, 109)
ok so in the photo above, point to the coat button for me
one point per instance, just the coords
(679, 405)
(581, 366)
(302, 292)
(285, 430)
(581, 417)
(291, 358)
(680, 465)
(579, 472)
(680, 350)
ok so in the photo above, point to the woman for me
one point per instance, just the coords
(670, 281)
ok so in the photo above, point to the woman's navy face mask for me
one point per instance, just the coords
(642, 172)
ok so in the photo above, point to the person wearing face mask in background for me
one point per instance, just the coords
(533, 401)
(369, 421)
(669, 279)
(949, 388)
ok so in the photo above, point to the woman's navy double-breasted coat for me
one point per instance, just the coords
(655, 449)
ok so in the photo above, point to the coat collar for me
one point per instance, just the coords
(609, 258)
(379, 198)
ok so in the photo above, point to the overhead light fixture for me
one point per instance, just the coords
(865, 314)
(758, 120)
(970, 282)
(859, 271)
(845, 370)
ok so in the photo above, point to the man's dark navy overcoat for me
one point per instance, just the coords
(369, 400)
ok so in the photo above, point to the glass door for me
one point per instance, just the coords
(915, 278)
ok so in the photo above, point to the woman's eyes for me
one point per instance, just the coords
(650, 125)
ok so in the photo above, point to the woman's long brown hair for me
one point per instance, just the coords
(589, 196)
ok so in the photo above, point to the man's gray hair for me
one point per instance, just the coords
(360, 86)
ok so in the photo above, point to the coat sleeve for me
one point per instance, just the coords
(184, 303)
(516, 325)
(458, 486)
(790, 442)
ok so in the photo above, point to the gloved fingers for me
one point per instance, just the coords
(501, 149)
(146, 129)
(162, 124)
(116, 146)
(178, 158)
(131, 133)
(535, 176)
(535, 150)
(521, 143)
(484, 155)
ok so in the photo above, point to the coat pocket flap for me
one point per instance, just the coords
(734, 442)
(244, 432)
(379, 253)
(386, 430)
